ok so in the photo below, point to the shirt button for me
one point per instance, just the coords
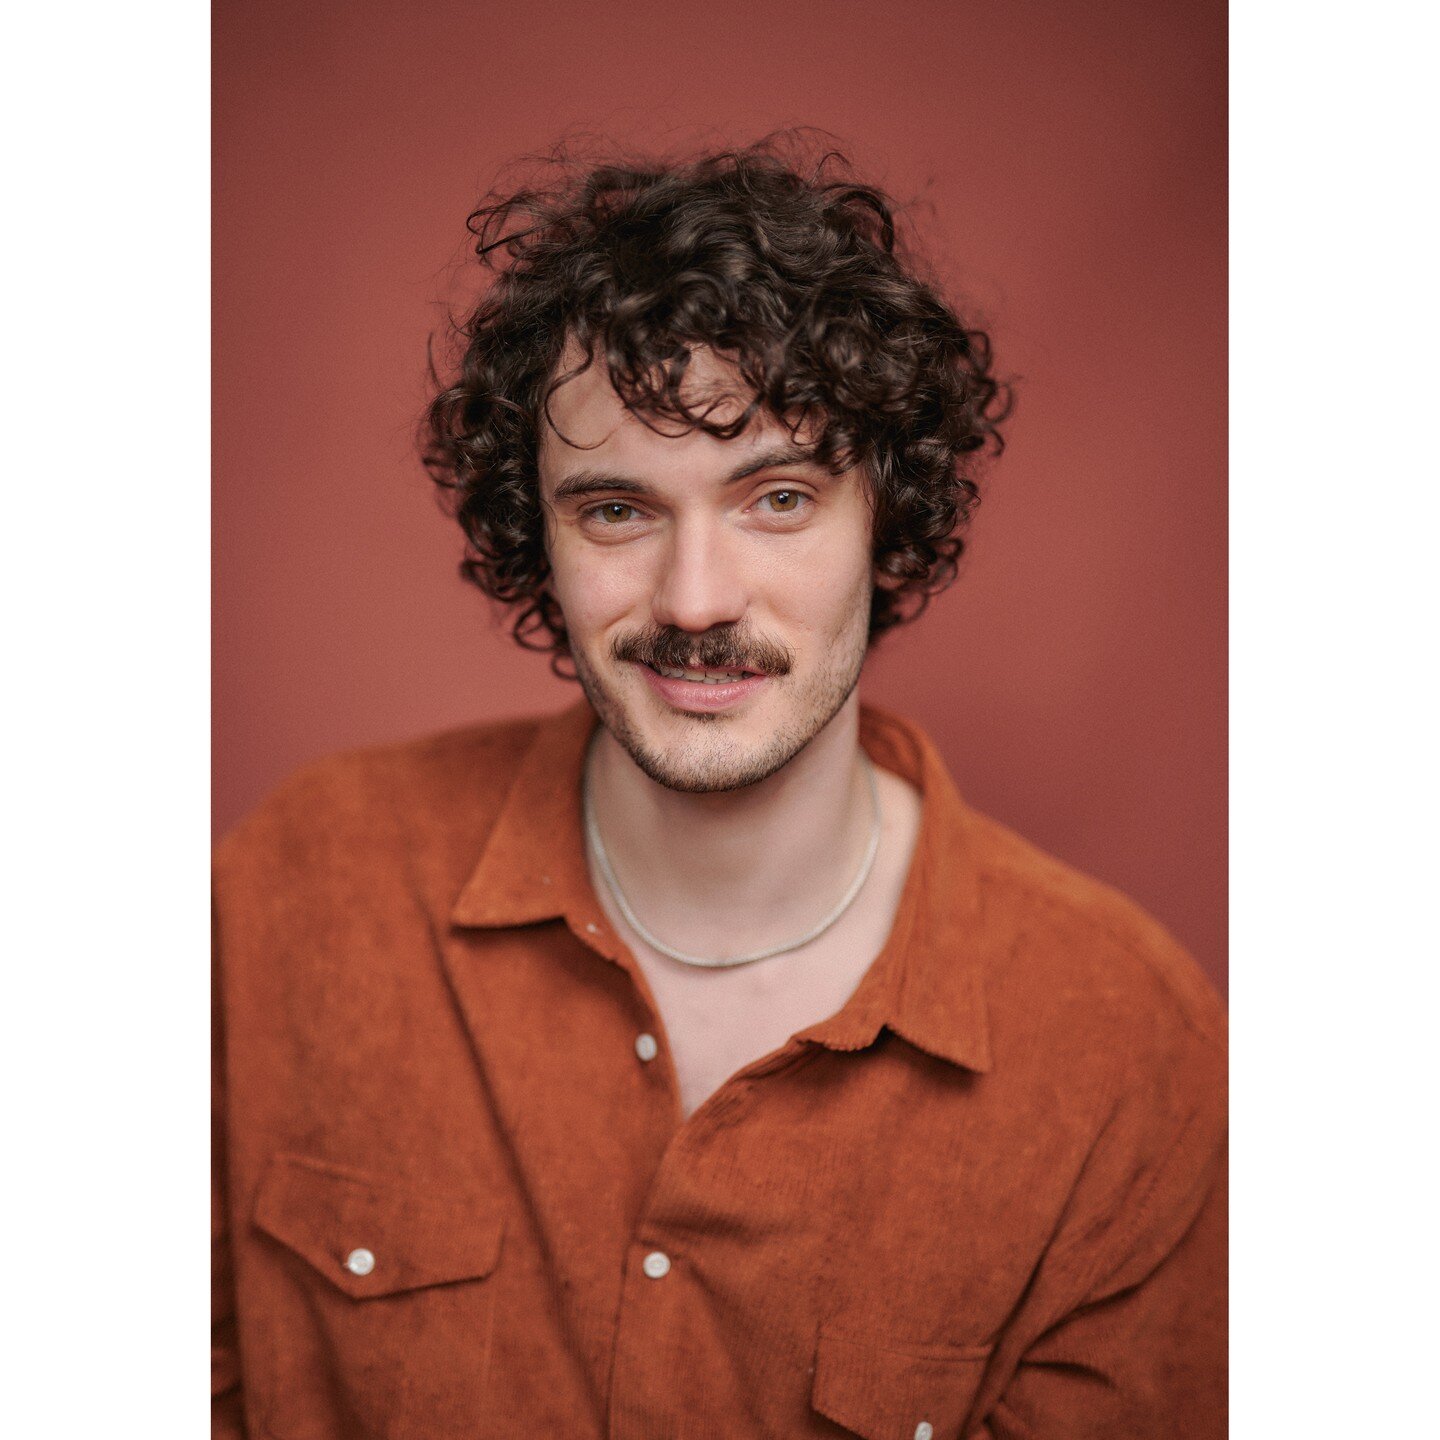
(657, 1265)
(646, 1047)
(924, 1431)
(359, 1262)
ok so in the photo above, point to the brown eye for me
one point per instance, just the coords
(614, 513)
(785, 501)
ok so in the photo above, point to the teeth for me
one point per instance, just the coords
(703, 677)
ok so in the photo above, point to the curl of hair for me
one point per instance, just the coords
(791, 272)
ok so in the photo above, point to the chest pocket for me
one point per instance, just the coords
(389, 1317)
(884, 1391)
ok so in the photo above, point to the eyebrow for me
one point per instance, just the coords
(580, 483)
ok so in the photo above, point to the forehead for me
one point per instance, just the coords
(588, 423)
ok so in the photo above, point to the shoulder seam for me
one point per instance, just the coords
(1084, 1278)
(1123, 942)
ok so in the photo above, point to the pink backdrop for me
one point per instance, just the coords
(1068, 164)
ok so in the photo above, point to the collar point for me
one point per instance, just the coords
(970, 1053)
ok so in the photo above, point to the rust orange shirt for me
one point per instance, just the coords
(983, 1199)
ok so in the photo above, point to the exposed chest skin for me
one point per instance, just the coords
(718, 1021)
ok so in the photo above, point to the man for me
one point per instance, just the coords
(696, 1062)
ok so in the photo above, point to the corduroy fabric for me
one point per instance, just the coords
(985, 1196)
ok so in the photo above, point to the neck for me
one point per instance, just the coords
(738, 869)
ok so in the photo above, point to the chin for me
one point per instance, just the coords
(710, 754)
(697, 754)
(703, 769)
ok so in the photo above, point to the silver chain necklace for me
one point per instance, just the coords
(602, 863)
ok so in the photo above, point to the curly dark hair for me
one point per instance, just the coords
(792, 271)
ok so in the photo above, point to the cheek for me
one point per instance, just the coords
(819, 589)
(596, 586)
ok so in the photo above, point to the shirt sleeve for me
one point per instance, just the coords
(227, 1420)
(1140, 1354)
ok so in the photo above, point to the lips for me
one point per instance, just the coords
(703, 691)
(705, 676)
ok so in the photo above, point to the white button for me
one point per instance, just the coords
(646, 1047)
(924, 1431)
(359, 1262)
(657, 1265)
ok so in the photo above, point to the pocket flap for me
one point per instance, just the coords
(883, 1390)
(368, 1236)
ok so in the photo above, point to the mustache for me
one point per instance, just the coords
(723, 647)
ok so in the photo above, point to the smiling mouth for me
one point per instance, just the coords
(705, 677)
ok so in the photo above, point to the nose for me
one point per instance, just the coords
(701, 584)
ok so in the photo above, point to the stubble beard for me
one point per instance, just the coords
(707, 761)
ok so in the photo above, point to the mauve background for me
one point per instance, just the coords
(1068, 164)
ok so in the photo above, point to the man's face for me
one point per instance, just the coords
(737, 561)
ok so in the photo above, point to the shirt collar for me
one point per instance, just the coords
(533, 865)
(925, 986)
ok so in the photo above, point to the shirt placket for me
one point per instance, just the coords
(652, 1365)
(648, 1392)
